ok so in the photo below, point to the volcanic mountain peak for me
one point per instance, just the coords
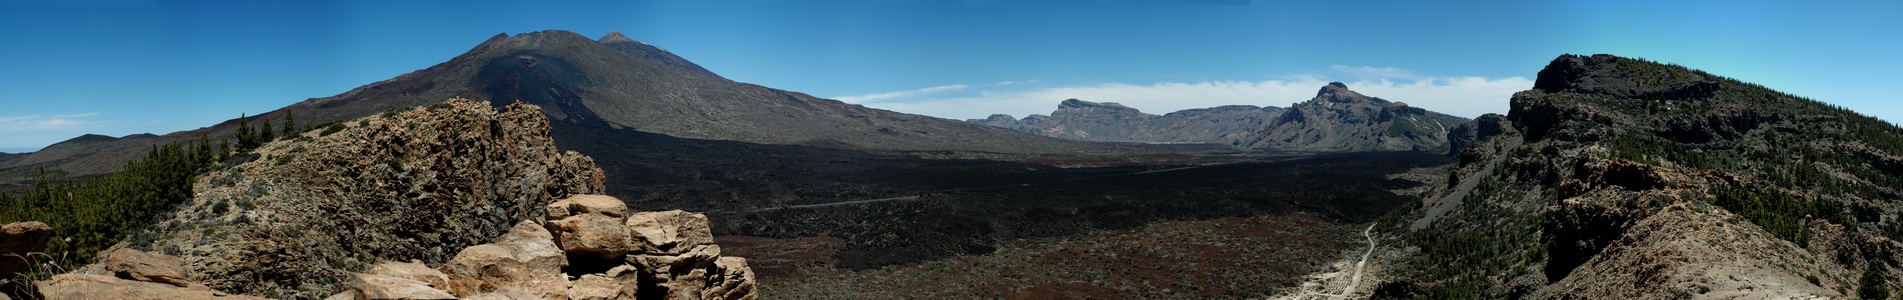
(615, 37)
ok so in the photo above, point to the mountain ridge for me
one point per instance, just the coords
(1336, 119)
(622, 85)
(1624, 178)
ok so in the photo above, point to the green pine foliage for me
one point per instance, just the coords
(290, 124)
(1870, 285)
(89, 215)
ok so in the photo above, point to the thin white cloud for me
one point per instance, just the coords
(1466, 96)
(868, 98)
(44, 123)
(1373, 72)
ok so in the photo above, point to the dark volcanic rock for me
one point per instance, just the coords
(1467, 135)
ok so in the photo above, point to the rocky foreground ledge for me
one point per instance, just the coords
(668, 254)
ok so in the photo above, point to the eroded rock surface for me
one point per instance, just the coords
(19, 242)
(417, 184)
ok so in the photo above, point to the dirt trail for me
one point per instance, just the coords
(1322, 281)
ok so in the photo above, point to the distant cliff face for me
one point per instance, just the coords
(1112, 122)
(1618, 178)
(1337, 119)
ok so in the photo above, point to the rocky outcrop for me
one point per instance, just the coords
(129, 274)
(20, 246)
(414, 184)
(671, 257)
(1618, 178)
(1467, 135)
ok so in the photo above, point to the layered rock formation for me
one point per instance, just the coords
(616, 255)
(1618, 178)
(129, 274)
(413, 184)
(1337, 119)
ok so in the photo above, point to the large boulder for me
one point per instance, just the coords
(413, 270)
(374, 286)
(148, 267)
(590, 227)
(525, 259)
(18, 243)
(88, 286)
(669, 232)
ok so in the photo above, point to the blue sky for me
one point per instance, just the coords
(119, 67)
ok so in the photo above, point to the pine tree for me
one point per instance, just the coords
(290, 124)
(245, 137)
(1871, 285)
(267, 135)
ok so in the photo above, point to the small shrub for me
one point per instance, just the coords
(333, 128)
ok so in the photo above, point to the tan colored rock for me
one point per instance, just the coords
(525, 259)
(413, 270)
(596, 287)
(149, 267)
(680, 276)
(628, 276)
(686, 285)
(669, 232)
(700, 257)
(373, 286)
(83, 286)
(587, 204)
(506, 294)
(18, 243)
(734, 282)
(590, 227)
